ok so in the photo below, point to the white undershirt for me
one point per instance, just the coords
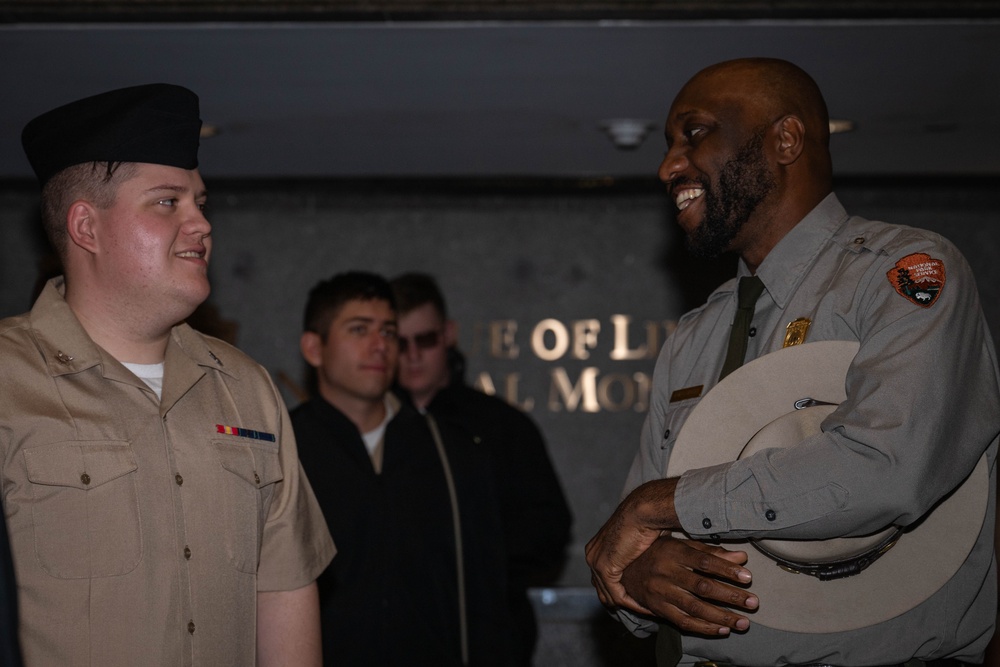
(151, 374)
(374, 437)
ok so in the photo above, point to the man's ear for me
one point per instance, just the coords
(791, 139)
(311, 346)
(450, 333)
(81, 225)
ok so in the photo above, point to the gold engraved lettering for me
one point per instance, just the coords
(511, 386)
(563, 393)
(484, 383)
(560, 342)
(585, 337)
(502, 345)
(606, 392)
(621, 349)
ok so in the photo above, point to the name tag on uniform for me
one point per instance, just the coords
(686, 393)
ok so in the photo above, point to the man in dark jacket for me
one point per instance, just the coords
(536, 518)
(419, 574)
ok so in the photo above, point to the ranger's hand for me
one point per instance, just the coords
(686, 582)
(616, 545)
(638, 521)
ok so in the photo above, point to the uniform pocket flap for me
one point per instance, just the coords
(81, 464)
(256, 465)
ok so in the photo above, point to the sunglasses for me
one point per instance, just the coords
(421, 341)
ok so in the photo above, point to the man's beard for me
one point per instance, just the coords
(742, 185)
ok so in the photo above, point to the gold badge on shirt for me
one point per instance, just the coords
(795, 332)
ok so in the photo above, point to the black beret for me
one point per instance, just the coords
(156, 123)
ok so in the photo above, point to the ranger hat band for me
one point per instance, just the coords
(156, 123)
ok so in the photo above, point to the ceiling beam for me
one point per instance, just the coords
(19, 11)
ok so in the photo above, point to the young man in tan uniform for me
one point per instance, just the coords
(156, 507)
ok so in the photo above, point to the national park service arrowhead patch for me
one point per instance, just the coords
(918, 277)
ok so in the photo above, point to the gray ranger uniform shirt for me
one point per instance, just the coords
(922, 406)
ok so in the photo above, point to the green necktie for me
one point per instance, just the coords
(749, 291)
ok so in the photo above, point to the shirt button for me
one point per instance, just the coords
(706, 523)
(256, 478)
(187, 553)
(85, 478)
(859, 241)
(191, 627)
(666, 434)
(753, 331)
(770, 515)
(178, 479)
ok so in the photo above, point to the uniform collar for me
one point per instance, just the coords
(200, 349)
(788, 261)
(61, 338)
(68, 349)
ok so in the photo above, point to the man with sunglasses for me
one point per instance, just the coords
(536, 518)
(418, 577)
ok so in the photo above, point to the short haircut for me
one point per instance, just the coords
(413, 290)
(327, 297)
(95, 182)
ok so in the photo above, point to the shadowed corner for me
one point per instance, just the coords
(575, 629)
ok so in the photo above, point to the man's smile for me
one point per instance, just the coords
(686, 195)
